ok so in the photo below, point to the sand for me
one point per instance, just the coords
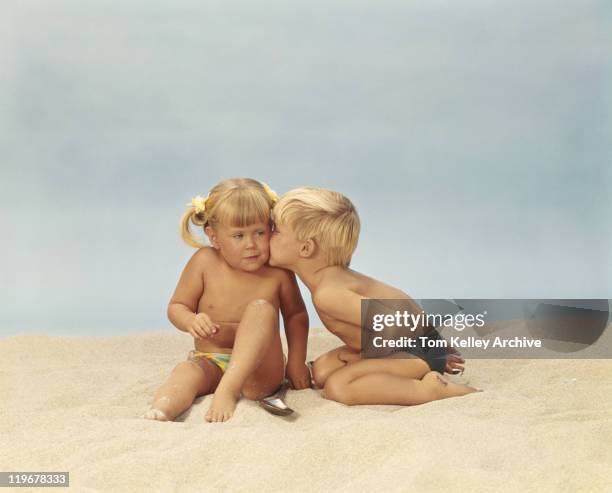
(75, 404)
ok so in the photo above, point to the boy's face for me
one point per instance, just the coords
(284, 246)
(245, 248)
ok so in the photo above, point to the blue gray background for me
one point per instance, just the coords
(473, 137)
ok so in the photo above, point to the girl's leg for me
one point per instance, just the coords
(394, 381)
(187, 381)
(256, 365)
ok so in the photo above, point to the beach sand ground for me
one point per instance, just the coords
(76, 404)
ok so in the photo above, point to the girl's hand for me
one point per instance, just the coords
(298, 375)
(201, 326)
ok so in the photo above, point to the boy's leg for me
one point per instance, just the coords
(187, 381)
(390, 381)
(256, 365)
(328, 363)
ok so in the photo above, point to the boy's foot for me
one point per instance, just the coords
(156, 414)
(445, 388)
(222, 407)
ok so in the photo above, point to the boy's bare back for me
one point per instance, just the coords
(337, 299)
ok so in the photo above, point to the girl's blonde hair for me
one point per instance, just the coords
(235, 202)
(324, 215)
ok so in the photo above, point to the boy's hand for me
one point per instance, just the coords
(454, 361)
(298, 375)
(201, 326)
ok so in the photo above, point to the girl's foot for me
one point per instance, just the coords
(156, 414)
(447, 389)
(222, 407)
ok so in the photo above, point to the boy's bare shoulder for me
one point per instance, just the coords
(340, 287)
(361, 285)
(339, 280)
(330, 290)
(333, 280)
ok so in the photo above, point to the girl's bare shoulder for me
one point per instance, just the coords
(206, 258)
(282, 275)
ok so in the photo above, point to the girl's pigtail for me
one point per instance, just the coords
(196, 213)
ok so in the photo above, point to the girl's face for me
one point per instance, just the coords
(244, 248)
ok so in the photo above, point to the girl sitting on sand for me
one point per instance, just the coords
(228, 299)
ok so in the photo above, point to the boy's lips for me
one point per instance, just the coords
(252, 257)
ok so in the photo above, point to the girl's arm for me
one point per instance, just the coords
(183, 306)
(295, 318)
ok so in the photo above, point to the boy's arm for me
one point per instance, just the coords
(295, 318)
(345, 305)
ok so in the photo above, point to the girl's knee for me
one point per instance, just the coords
(261, 305)
(259, 315)
(262, 309)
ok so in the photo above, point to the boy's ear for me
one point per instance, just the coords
(212, 237)
(308, 248)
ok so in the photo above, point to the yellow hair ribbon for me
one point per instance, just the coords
(199, 203)
(270, 193)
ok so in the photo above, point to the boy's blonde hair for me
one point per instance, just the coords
(236, 202)
(324, 215)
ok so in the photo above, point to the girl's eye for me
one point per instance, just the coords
(238, 236)
(261, 233)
